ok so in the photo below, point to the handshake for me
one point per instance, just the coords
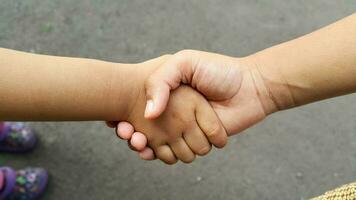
(192, 100)
(177, 106)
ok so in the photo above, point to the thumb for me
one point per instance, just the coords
(158, 86)
(157, 94)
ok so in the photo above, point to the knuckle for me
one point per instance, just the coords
(188, 160)
(221, 143)
(214, 130)
(183, 56)
(165, 156)
(216, 135)
(170, 161)
(185, 52)
(205, 150)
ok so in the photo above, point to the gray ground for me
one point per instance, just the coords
(295, 154)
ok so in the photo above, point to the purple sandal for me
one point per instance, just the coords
(16, 137)
(26, 184)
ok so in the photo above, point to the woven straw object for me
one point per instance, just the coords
(345, 192)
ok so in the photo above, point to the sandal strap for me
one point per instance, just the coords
(4, 130)
(10, 181)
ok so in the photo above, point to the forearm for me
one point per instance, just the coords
(316, 66)
(39, 87)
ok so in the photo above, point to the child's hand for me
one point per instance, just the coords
(183, 130)
(186, 128)
(234, 87)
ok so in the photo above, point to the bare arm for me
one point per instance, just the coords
(39, 87)
(316, 66)
(313, 67)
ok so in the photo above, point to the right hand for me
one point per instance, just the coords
(234, 87)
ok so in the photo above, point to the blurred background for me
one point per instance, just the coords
(295, 154)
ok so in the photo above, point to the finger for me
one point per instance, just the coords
(147, 154)
(210, 124)
(130, 146)
(197, 141)
(165, 154)
(111, 124)
(138, 141)
(166, 78)
(157, 94)
(182, 151)
(124, 130)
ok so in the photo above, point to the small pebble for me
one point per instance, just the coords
(199, 179)
(299, 175)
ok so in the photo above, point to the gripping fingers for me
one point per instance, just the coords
(210, 124)
(182, 151)
(147, 154)
(138, 141)
(197, 141)
(124, 130)
(165, 154)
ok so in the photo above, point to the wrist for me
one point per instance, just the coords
(128, 87)
(123, 90)
(270, 84)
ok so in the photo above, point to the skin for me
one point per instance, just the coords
(246, 102)
(44, 88)
(314, 67)
(179, 131)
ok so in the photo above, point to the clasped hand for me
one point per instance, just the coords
(195, 99)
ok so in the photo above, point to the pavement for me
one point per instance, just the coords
(295, 154)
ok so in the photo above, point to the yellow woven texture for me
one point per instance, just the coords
(345, 192)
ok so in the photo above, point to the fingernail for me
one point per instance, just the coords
(149, 107)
